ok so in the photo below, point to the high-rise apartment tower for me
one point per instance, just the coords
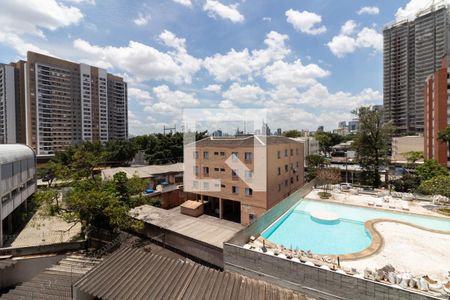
(413, 50)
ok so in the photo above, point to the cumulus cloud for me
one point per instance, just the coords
(293, 74)
(244, 94)
(349, 40)
(214, 88)
(31, 16)
(169, 102)
(146, 62)
(370, 10)
(412, 8)
(142, 19)
(234, 64)
(217, 9)
(305, 21)
(143, 97)
(17, 43)
(186, 3)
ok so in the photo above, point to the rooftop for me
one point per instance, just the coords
(144, 171)
(136, 274)
(243, 141)
(14, 152)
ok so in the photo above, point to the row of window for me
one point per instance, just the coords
(286, 168)
(286, 182)
(234, 155)
(286, 152)
(234, 172)
(234, 189)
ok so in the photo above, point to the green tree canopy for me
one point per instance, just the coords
(412, 157)
(293, 133)
(327, 140)
(313, 163)
(371, 144)
(439, 185)
(429, 169)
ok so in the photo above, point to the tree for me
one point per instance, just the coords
(293, 133)
(327, 140)
(444, 136)
(429, 169)
(328, 176)
(313, 163)
(371, 144)
(439, 185)
(407, 183)
(120, 152)
(412, 157)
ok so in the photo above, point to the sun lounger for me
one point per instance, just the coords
(371, 203)
(378, 203)
(405, 205)
(387, 198)
(392, 204)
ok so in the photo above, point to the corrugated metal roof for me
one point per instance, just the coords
(135, 274)
(14, 152)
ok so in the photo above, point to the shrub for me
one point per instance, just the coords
(439, 185)
(324, 195)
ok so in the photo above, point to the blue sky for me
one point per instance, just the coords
(308, 63)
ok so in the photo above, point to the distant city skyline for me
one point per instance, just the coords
(303, 61)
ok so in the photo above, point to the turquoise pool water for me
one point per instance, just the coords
(297, 230)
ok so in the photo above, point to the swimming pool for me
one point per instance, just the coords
(298, 230)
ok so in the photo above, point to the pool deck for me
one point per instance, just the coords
(415, 207)
(407, 248)
(207, 229)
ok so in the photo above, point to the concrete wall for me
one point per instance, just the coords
(26, 268)
(43, 249)
(313, 281)
(197, 249)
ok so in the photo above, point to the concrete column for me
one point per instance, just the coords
(221, 208)
(201, 198)
(1, 231)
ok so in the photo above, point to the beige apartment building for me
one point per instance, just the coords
(404, 144)
(240, 178)
(59, 103)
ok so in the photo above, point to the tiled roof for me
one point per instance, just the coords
(136, 274)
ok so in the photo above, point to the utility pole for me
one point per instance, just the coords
(169, 129)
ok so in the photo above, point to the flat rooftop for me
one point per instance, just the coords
(207, 229)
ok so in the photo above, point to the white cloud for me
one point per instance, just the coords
(31, 16)
(91, 2)
(171, 102)
(217, 9)
(142, 20)
(267, 19)
(349, 27)
(305, 21)
(244, 94)
(187, 3)
(227, 104)
(145, 62)
(348, 40)
(171, 40)
(234, 64)
(370, 10)
(143, 97)
(214, 88)
(412, 8)
(293, 74)
(21, 46)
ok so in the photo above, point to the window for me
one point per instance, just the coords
(296, 164)
(206, 155)
(234, 172)
(292, 180)
(195, 184)
(297, 178)
(216, 153)
(286, 168)
(286, 152)
(222, 153)
(195, 154)
(279, 171)
(248, 174)
(216, 169)
(235, 189)
(279, 154)
(205, 186)
(292, 152)
(222, 169)
(222, 185)
(234, 155)
(206, 171)
(248, 192)
(248, 156)
(195, 170)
